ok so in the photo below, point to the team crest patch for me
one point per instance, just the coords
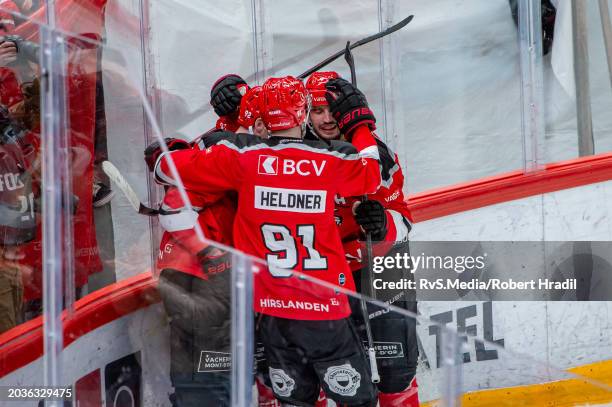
(282, 384)
(267, 165)
(343, 379)
(341, 279)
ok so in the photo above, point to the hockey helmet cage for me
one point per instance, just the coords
(284, 102)
(250, 107)
(316, 86)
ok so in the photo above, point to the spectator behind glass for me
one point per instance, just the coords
(17, 218)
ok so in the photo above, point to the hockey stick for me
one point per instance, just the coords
(365, 279)
(359, 43)
(338, 54)
(115, 176)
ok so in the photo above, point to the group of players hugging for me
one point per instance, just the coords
(281, 178)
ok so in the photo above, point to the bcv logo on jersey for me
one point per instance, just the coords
(269, 164)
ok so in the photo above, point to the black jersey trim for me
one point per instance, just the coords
(243, 143)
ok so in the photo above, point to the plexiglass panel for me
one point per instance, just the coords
(147, 299)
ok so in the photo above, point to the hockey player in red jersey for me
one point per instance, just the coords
(249, 116)
(194, 284)
(286, 187)
(194, 280)
(250, 121)
(385, 215)
(194, 276)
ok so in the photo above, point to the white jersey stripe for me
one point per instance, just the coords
(370, 152)
(400, 226)
(160, 176)
(183, 220)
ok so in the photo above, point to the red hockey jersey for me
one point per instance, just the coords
(180, 243)
(286, 190)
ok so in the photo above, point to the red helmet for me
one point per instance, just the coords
(316, 86)
(283, 103)
(250, 107)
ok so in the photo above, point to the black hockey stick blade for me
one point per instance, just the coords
(145, 210)
(359, 43)
(115, 175)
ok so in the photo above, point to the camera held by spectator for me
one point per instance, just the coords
(27, 50)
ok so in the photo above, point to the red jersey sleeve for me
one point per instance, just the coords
(179, 221)
(214, 169)
(361, 175)
(391, 195)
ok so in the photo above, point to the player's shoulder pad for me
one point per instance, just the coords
(336, 146)
(213, 137)
(235, 141)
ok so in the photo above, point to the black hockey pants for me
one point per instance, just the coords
(394, 335)
(200, 323)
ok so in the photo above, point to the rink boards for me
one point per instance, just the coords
(527, 340)
(567, 334)
(561, 334)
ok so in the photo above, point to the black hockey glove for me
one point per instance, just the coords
(153, 150)
(214, 261)
(226, 94)
(348, 106)
(371, 216)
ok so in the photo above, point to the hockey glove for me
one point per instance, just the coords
(348, 106)
(226, 94)
(153, 150)
(214, 260)
(371, 216)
